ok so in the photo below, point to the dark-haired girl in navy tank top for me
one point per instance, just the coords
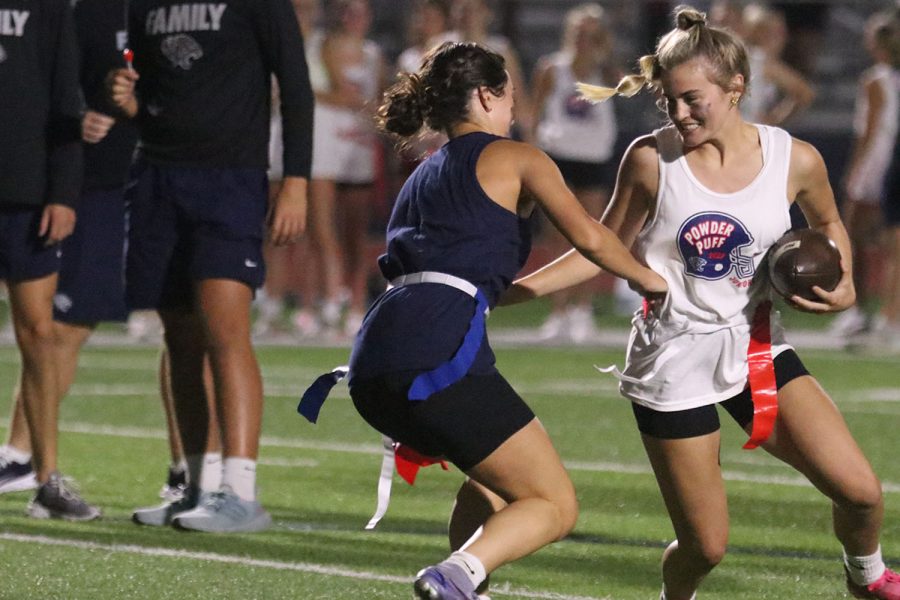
(422, 370)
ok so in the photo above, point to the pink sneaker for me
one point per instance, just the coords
(886, 588)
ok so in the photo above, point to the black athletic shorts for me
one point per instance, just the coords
(463, 423)
(704, 420)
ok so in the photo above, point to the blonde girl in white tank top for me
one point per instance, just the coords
(701, 201)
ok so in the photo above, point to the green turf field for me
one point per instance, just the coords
(319, 483)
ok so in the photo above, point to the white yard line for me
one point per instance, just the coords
(591, 466)
(598, 388)
(316, 569)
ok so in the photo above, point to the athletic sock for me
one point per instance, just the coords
(211, 473)
(204, 471)
(470, 564)
(14, 454)
(240, 475)
(865, 570)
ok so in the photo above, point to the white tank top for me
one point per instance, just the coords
(866, 182)
(572, 128)
(708, 246)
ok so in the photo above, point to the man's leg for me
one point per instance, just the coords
(225, 308)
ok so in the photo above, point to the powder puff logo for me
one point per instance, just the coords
(712, 244)
(182, 50)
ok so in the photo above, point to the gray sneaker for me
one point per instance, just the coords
(162, 514)
(224, 512)
(58, 498)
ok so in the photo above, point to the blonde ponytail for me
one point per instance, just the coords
(628, 86)
(690, 38)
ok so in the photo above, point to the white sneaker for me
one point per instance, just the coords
(268, 310)
(306, 324)
(555, 327)
(330, 315)
(353, 322)
(582, 328)
(852, 321)
(882, 338)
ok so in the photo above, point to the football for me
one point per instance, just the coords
(801, 259)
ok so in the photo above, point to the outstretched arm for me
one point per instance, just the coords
(595, 244)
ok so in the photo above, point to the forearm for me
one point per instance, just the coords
(568, 270)
(608, 252)
(836, 231)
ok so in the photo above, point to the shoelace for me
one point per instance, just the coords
(215, 500)
(5, 462)
(173, 493)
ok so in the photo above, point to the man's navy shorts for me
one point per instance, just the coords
(187, 224)
(91, 284)
(23, 253)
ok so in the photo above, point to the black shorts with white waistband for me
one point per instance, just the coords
(704, 420)
(463, 423)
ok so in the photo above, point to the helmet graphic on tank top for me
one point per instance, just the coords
(711, 245)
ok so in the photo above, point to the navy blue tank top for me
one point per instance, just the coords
(442, 221)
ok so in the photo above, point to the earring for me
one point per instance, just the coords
(734, 101)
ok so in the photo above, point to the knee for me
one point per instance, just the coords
(567, 509)
(705, 553)
(34, 336)
(862, 497)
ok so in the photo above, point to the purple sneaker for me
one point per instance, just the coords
(443, 582)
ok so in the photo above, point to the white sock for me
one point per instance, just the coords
(865, 570)
(470, 564)
(240, 475)
(204, 471)
(211, 473)
(14, 454)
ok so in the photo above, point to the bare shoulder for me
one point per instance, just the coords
(640, 164)
(807, 176)
(643, 152)
(806, 160)
(510, 151)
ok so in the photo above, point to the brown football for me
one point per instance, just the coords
(801, 259)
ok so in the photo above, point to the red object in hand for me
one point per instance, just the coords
(128, 55)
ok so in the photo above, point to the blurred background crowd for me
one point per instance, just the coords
(808, 58)
(810, 61)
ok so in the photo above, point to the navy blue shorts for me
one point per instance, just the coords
(704, 420)
(23, 255)
(465, 422)
(91, 284)
(587, 175)
(187, 224)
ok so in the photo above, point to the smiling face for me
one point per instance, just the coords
(696, 105)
